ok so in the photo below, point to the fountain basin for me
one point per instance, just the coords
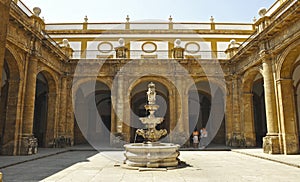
(151, 121)
(152, 155)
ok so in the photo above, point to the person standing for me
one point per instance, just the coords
(203, 137)
(195, 138)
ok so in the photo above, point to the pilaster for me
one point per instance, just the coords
(69, 130)
(11, 129)
(63, 107)
(4, 14)
(228, 113)
(237, 139)
(121, 130)
(180, 134)
(288, 119)
(248, 121)
(27, 138)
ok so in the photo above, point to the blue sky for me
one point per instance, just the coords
(181, 10)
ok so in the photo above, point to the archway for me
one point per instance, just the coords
(259, 110)
(9, 101)
(253, 108)
(287, 89)
(93, 115)
(45, 109)
(139, 100)
(296, 78)
(3, 102)
(41, 110)
(206, 104)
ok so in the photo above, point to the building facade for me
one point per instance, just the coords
(77, 83)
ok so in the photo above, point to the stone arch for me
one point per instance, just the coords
(137, 102)
(287, 60)
(248, 79)
(46, 108)
(79, 81)
(249, 110)
(287, 63)
(51, 78)
(167, 95)
(10, 99)
(159, 79)
(296, 78)
(94, 116)
(16, 66)
(218, 82)
(209, 111)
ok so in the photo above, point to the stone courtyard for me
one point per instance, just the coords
(88, 165)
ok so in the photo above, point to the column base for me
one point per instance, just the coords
(291, 144)
(28, 145)
(237, 140)
(271, 145)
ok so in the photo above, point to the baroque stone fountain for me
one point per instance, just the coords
(151, 153)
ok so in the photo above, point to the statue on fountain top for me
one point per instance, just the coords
(151, 93)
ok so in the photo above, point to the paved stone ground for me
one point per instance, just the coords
(202, 166)
(292, 160)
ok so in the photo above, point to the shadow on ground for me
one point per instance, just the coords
(42, 168)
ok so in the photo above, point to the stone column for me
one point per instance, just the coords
(288, 119)
(29, 102)
(271, 141)
(236, 138)
(185, 116)
(249, 130)
(181, 133)
(120, 102)
(4, 14)
(121, 132)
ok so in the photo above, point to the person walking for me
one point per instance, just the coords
(203, 136)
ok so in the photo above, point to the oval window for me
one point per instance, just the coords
(105, 47)
(192, 47)
(149, 47)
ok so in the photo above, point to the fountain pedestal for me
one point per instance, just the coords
(151, 154)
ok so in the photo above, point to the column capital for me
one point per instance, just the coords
(265, 56)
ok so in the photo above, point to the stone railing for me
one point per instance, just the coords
(150, 26)
(139, 54)
(23, 7)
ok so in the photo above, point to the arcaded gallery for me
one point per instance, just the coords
(65, 84)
